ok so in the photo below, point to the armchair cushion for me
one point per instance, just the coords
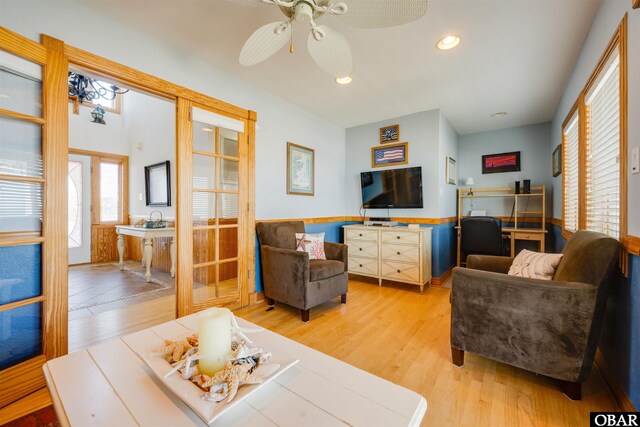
(323, 269)
(535, 265)
(337, 252)
(313, 244)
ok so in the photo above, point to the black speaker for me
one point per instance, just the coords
(517, 187)
(526, 184)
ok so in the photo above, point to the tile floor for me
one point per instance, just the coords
(97, 288)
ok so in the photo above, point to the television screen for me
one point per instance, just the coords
(392, 188)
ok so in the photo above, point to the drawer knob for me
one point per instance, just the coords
(360, 248)
(398, 271)
(398, 253)
(360, 265)
(360, 234)
(398, 237)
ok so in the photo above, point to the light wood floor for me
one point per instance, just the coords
(402, 336)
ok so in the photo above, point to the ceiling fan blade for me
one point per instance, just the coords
(332, 53)
(382, 13)
(264, 42)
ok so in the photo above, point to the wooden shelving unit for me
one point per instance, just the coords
(520, 215)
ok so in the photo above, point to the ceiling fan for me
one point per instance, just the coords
(326, 45)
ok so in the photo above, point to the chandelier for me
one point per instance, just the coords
(88, 89)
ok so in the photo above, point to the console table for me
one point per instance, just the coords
(398, 253)
(147, 235)
(108, 385)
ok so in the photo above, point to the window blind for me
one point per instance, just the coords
(603, 152)
(570, 144)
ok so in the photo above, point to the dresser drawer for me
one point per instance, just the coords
(402, 237)
(363, 266)
(402, 253)
(360, 234)
(400, 272)
(528, 236)
(363, 248)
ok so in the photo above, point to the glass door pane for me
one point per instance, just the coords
(21, 210)
(216, 186)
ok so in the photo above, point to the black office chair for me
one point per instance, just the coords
(481, 235)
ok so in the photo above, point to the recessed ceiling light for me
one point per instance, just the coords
(207, 129)
(500, 114)
(448, 42)
(344, 80)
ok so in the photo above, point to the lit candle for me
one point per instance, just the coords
(214, 339)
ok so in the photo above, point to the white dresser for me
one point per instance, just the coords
(400, 254)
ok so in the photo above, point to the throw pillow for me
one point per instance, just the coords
(535, 265)
(313, 244)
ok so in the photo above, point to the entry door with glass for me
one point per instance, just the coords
(79, 232)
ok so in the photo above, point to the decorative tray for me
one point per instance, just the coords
(191, 394)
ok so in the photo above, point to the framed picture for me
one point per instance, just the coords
(300, 170)
(157, 183)
(390, 155)
(556, 161)
(390, 134)
(503, 162)
(452, 171)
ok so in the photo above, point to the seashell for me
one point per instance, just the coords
(217, 393)
(193, 340)
(180, 349)
(264, 358)
(266, 370)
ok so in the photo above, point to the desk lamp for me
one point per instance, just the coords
(470, 182)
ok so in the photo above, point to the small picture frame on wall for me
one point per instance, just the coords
(157, 182)
(501, 162)
(300, 170)
(390, 155)
(556, 161)
(452, 171)
(389, 134)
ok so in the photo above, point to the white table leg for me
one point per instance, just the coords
(172, 252)
(142, 251)
(148, 255)
(121, 250)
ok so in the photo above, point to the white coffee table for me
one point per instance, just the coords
(108, 385)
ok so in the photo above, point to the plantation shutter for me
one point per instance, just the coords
(603, 152)
(570, 144)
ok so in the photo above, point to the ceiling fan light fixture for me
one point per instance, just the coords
(344, 80)
(304, 13)
(448, 42)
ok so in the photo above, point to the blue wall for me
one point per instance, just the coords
(620, 339)
(443, 245)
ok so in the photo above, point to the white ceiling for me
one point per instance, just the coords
(515, 56)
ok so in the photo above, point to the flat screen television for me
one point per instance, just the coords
(392, 188)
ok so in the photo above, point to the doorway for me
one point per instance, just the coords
(79, 202)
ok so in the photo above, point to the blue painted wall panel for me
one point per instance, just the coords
(20, 273)
(20, 334)
(443, 245)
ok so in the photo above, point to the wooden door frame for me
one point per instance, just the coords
(105, 68)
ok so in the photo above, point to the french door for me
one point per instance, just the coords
(214, 178)
(33, 223)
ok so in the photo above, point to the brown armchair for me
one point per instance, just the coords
(550, 327)
(289, 276)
